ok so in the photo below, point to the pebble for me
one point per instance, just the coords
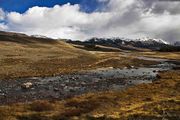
(2, 94)
(26, 85)
(56, 89)
(63, 85)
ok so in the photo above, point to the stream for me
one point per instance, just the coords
(65, 86)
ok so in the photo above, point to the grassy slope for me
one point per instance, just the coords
(27, 56)
(158, 100)
(23, 56)
(39, 58)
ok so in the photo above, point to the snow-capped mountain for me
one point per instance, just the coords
(177, 43)
(39, 36)
(150, 40)
(125, 43)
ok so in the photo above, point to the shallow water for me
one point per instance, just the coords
(65, 86)
(152, 59)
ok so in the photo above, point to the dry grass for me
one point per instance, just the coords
(49, 59)
(158, 100)
(40, 106)
(20, 60)
(166, 55)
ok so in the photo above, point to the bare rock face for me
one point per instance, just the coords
(26, 85)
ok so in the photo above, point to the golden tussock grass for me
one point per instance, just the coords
(157, 100)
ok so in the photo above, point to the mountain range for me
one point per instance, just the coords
(126, 44)
(116, 42)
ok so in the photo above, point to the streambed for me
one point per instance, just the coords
(65, 86)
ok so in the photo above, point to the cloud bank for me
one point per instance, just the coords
(117, 18)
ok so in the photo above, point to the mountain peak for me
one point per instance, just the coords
(147, 39)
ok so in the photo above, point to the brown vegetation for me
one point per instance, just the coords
(25, 57)
(159, 100)
(37, 58)
(40, 106)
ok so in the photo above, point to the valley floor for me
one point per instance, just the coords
(157, 100)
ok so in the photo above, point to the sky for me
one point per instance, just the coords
(83, 19)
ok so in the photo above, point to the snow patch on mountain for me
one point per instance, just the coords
(39, 36)
(146, 40)
(150, 40)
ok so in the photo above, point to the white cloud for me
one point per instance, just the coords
(130, 18)
(3, 26)
(2, 17)
(2, 14)
(65, 21)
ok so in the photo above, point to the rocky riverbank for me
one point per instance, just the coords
(69, 85)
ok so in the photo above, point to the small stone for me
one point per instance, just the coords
(111, 67)
(83, 83)
(67, 81)
(97, 116)
(75, 118)
(2, 94)
(96, 81)
(26, 85)
(50, 81)
(56, 89)
(63, 85)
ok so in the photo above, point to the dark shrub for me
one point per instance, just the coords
(40, 106)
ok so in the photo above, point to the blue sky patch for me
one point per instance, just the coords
(23, 5)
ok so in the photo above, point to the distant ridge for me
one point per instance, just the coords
(23, 38)
(118, 43)
(177, 43)
(125, 44)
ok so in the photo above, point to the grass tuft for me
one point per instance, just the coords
(41, 106)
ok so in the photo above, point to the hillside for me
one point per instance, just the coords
(80, 81)
(23, 56)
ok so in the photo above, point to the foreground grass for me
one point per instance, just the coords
(159, 100)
